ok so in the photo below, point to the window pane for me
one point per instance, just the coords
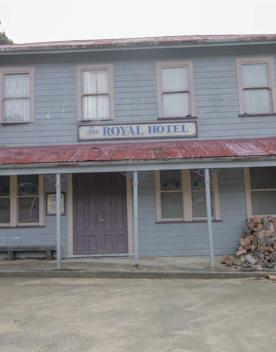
(263, 202)
(4, 210)
(89, 82)
(255, 75)
(170, 180)
(199, 205)
(27, 185)
(103, 107)
(197, 179)
(89, 107)
(17, 85)
(175, 79)
(176, 104)
(4, 186)
(257, 101)
(95, 82)
(171, 205)
(263, 177)
(28, 210)
(16, 110)
(102, 82)
(96, 107)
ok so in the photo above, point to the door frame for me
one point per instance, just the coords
(70, 215)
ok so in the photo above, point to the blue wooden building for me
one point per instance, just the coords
(146, 147)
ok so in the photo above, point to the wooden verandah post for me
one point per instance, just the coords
(58, 221)
(209, 217)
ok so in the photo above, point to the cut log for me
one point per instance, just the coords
(257, 247)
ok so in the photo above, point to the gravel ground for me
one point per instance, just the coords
(122, 315)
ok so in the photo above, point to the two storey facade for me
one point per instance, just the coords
(127, 134)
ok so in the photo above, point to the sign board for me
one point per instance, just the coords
(138, 130)
(51, 204)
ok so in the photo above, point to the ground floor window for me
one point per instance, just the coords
(21, 200)
(260, 186)
(180, 195)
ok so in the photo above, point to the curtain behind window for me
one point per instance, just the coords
(17, 97)
(95, 100)
(256, 100)
(175, 86)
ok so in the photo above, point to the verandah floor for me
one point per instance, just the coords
(117, 265)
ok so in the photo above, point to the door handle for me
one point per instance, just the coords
(100, 219)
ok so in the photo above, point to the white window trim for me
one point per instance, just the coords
(17, 70)
(175, 64)
(98, 67)
(271, 81)
(187, 199)
(248, 191)
(14, 204)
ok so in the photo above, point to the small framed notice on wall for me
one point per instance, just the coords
(51, 204)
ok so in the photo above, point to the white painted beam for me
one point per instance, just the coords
(135, 217)
(58, 221)
(209, 217)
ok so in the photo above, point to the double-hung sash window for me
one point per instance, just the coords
(260, 186)
(28, 199)
(175, 90)
(16, 95)
(180, 195)
(95, 85)
(171, 194)
(256, 86)
(21, 200)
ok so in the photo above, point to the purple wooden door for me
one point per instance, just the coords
(100, 214)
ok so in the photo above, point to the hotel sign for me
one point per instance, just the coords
(138, 130)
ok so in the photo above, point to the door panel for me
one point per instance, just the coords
(100, 214)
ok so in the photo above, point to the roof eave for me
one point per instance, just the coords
(71, 50)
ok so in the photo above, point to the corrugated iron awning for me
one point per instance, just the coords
(139, 152)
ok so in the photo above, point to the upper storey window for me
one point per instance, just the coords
(16, 95)
(256, 86)
(175, 90)
(95, 87)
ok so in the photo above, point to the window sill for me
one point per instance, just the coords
(94, 122)
(21, 226)
(185, 221)
(258, 115)
(4, 123)
(188, 117)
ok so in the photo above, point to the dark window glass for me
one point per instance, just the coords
(28, 199)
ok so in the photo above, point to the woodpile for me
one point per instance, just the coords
(257, 249)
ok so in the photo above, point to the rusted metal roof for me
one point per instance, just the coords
(139, 152)
(120, 43)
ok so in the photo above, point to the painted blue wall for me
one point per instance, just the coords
(135, 93)
(175, 239)
(163, 239)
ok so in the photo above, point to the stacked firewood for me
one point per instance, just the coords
(257, 249)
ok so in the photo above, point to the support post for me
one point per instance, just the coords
(58, 222)
(135, 217)
(209, 217)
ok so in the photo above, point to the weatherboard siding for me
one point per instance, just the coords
(165, 239)
(135, 98)
(176, 239)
